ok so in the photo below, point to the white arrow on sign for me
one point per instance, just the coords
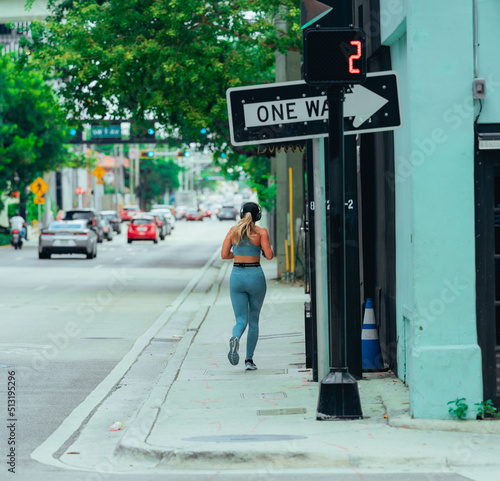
(362, 103)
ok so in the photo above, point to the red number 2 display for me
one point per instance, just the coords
(357, 43)
(334, 56)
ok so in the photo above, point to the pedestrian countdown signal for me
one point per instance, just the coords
(334, 56)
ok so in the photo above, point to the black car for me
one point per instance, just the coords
(114, 219)
(93, 219)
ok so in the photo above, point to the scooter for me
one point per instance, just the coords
(16, 239)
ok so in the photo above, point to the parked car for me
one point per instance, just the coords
(67, 237)
(227, 212)
(162, 223)
(114, 219)
(216, 208)
(207, 210)
(179, 212)
(164, 207)
(91, 215)
(168, 216)
(107, 229)
(194, 214)
(128, 212)
(142, 227)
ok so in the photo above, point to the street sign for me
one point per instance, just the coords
(334, 56)
(99, 172)
(39, 187)
(111, 132)
(289, 111)
(39, 200)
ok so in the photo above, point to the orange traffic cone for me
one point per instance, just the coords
(370, 346)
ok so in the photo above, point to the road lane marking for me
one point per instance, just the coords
(40, 288)
(118, 258)
(98, 266)
(44, 453)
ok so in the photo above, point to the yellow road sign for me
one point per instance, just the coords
(99, 182)
(99, 172)
(39, 187)
(39, 200)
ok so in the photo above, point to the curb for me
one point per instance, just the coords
(134, 440)
(73, 423)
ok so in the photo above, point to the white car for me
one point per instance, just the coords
(68, 237)
(167, 213)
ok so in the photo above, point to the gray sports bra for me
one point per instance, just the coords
(246, 248)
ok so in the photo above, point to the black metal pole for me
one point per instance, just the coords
(336, 182)
(339, 395)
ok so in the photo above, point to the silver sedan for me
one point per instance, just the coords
(67, 237)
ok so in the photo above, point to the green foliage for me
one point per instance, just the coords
(157, 176)
(170, 60)
(32, 128)
(458, 408)
(4, 239)
(486, 408)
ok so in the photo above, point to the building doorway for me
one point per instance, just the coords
(487, 220)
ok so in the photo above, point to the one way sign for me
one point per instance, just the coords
(263, 114)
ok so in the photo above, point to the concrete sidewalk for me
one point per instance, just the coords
(205, 413)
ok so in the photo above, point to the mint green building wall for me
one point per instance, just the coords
(438, 355)
(488, 58)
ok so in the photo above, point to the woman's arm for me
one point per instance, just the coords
(265, 244)
(227, 245)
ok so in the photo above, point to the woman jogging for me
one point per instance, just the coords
(247, 285)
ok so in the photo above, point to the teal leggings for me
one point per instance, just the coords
(247, 287)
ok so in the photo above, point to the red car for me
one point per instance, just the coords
(128, 212)
(142, 227)
(194, 214)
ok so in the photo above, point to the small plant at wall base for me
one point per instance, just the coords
(486, 410)
(458, 408)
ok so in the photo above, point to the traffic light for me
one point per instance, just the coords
(147, 154)
(334, 56)
(75, 136)
(183, 153)
(143, 133)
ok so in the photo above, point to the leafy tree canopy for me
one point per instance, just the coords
(171, 60)
(32, 128)
(157, 177)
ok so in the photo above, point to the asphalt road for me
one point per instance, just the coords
(65, 324)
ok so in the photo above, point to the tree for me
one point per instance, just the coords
(32, 128)
(165, 59)
(158, 177)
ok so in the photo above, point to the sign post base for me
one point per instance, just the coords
(338, 397)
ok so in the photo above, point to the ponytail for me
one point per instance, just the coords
(245, 227)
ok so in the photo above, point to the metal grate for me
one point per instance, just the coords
(264, 395)
(280, 412)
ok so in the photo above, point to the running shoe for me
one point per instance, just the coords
(233, 355)
(249, 365)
